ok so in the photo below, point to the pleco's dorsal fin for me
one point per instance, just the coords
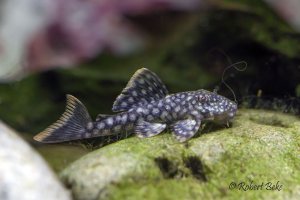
(143, 87)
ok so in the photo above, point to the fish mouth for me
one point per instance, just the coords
(225, 117)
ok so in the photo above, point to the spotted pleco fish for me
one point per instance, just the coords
(145, 108)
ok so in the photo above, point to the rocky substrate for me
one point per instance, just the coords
(258, 157)
(24, 175)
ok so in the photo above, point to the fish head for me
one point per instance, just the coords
(215, 107)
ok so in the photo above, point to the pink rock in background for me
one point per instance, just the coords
(288, 10)
(37, 35)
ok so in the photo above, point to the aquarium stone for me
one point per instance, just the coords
(23, 173)
(256, 158)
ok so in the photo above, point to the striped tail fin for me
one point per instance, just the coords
(72, 125)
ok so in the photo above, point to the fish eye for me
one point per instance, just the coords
(202, 98)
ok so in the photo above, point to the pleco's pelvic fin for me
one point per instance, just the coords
(146, 129)
(185, 129)
(71, 125)
(143, 87)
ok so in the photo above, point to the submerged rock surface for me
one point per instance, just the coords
(23, 173)
(258, 157)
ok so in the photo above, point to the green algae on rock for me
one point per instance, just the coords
(261, 148)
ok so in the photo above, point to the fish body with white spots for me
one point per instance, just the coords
(144, 107)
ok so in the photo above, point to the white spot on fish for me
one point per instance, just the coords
(146, 111)
(130, 99)
(118, 118)
(141, 81)
(123, 104)
(124, 118)
(144, 91)
(192, 123)
(150, 117)
(134, 93)
(168, 107)
(132, 117)
(139, 110)
(194, 112)
(90, 126)
(160, 104)
(110, 121)
(183, 111)
(177, 109)
(155, 111)
(101, 125)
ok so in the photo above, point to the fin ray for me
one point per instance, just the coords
(185, 129)
(143, 87)
(146, 129)
(70, 126)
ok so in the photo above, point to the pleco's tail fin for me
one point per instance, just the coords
(72, 125)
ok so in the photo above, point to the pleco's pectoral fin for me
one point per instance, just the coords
(185, 129)
(145, 129)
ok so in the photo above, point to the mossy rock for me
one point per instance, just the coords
(261, 148)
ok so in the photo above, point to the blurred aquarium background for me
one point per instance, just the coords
(90, 49)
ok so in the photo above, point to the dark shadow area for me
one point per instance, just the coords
(167, 168)
(271, 121)
(196, 167)
(211, 126)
